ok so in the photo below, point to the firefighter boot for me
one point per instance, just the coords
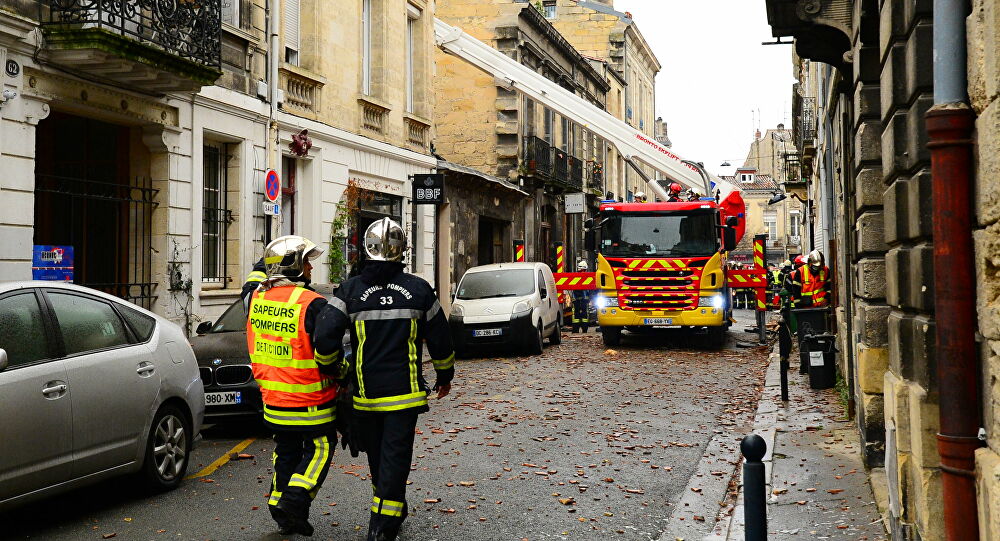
(279, 516)
(298, 517)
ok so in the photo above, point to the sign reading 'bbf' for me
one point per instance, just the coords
(428, 189)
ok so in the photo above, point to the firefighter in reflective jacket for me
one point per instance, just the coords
(296, 366)
(389, 315)
(809, 285)
(581, 304)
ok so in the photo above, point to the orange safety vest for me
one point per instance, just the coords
(284, 362)
(814, 286)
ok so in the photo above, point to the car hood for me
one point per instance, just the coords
(497, 308)
(228, 346)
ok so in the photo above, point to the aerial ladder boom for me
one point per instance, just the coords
(632, 144)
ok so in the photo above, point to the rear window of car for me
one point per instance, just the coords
(141, 324)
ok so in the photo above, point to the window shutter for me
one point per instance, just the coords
(291, 23)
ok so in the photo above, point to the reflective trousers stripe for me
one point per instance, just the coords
(387, 507)
(444, 364)
(391, 403)
(321, 456)
(312, 416)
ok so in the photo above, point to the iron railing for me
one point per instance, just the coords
(538, 156)
(806, 133)
(216, 216)
(560, 169)
(595, 176)
(110, 229)
(575, 172)
(186, 28)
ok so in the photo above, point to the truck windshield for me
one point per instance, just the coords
(660, 234)
(498, 283)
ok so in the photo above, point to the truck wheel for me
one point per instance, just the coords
(612, 336)
(556, 337)
(537, 345)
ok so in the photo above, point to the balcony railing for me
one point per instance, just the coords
(806, 127)
(538, 156)
(553, 165)
(416, 133)
(302, 92)
(595, 176)
(186, 29)
(576, 172)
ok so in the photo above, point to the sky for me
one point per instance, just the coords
(717, 83)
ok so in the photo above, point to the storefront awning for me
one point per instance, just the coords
(444, 165)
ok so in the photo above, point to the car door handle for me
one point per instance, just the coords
(55, 387)
(145, 369)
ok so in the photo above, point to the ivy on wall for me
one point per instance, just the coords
(345, 220)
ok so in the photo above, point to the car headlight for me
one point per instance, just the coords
(457, 310)
(605, 302)
(521, 307)
(711, 301)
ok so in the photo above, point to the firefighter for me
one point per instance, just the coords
(390, 314)
(296, 366)
(640, 197)
(581, 304)
(675, 192)
(809, 285)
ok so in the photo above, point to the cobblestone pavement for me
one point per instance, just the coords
(581, 442)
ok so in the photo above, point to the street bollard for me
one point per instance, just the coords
(754, 448)
(783, 363)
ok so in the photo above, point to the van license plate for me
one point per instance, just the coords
(659, 321)
(487, 332)
(223, 399)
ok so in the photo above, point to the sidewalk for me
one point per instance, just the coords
(817, 485)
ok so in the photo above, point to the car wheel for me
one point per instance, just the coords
(167, 449)
(556, 337)
(537, 345)
(612, 336)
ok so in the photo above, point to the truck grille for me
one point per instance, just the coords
(206, 375)
(233, 375)
(660, 301)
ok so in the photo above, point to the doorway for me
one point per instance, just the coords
(490, 241)
(87, 198)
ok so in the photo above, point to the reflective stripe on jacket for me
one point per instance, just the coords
(285, 365)
(814, 286)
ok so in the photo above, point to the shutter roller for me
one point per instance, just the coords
(291, 23)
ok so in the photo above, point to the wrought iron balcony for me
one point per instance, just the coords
(576, 173)
(537, 157)
(152, 45)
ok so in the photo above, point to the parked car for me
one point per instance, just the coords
(231, 393)
(506, 304)
(91, 387)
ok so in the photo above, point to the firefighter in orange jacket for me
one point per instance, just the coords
(296, 366)
(809, 285)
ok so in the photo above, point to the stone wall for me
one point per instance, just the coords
(983, 27)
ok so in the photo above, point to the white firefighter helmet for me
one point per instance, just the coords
(581, 265)
(815, 259)
(385, 241)
(640, 197)
(286, 257)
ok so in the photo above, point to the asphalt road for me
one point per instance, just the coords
(580, 443)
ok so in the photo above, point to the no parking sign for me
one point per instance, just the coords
(272, 186)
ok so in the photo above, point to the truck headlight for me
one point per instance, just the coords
(457, 310)
(711, 301)
(520, 308)
(604, 302)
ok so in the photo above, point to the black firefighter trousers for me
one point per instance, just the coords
(301, 462)
(387, 438)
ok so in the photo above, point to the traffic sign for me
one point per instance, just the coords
(272, 186)
(272, 209)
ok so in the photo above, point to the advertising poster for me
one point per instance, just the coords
(52, 263)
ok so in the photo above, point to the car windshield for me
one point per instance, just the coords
(235, 319)
(498, 283)
(660, 234)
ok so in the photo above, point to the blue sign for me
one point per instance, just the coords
(52, 263)
(272, 186)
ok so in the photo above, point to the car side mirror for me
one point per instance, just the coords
(729, 239)
(732, 221)
(3, 360)
(589, 223)
(204, 328)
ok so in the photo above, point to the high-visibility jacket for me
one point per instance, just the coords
(810, 289)
(294, 388)
(389, 322)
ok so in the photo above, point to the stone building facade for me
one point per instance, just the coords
(503, 134)
(865, 86)
(781, 221)
(167, 188)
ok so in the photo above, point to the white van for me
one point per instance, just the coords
(506, 304)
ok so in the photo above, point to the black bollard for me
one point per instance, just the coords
(754, 448)
(783, 364)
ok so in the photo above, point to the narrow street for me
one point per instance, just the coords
(578, 443)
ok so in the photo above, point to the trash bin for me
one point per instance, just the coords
(810, 321)
(821, 353)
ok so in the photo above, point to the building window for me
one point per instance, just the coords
(771, 225)
(366, 47)
(794, 224)
(216, 216)
(291, 24)
(412, 20)
(289, 172)
(564, 132)
(549, 9)
(548, 121)
(237, 13)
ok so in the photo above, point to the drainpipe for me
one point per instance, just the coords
(272, 150)
(949, 126)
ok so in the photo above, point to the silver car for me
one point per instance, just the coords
(91, 387)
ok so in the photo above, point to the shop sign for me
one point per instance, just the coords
(428, 189)
(576, 203)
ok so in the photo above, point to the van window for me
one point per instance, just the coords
(498, 283)
(541, 284)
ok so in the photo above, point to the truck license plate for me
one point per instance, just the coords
(659, 321)
(223, 399)
(487, 332)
